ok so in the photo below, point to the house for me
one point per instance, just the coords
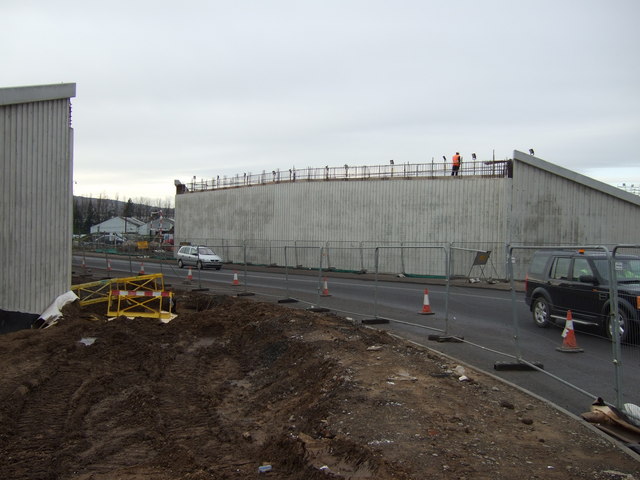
(154, 227)
(118, 225)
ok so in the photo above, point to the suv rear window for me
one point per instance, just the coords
(538, 263)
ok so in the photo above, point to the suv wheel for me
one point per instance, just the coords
(180, 264)
(199, 265)
(540, 312)
(623, 325)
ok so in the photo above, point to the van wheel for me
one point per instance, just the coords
(541, 315)
(180, 264)
(199, 265)
(623, 326)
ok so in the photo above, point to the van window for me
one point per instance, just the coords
(560, 268)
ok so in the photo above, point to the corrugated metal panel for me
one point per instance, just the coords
(36, 213)
(550, 209)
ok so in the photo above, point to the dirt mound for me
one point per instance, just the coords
(233, 386)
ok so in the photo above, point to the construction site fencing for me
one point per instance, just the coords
(485, 168)
(621, 353)
(481, 261)
(478, 260)
(346, 256)
(435, 261)
(440, 261)
(130, 244)
(627, 355)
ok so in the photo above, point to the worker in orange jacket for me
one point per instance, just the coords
(455, 167)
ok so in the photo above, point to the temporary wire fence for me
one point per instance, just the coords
(318, 259)
(581, 296)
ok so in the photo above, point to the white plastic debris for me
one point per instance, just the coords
(633, 412)
(53, 312)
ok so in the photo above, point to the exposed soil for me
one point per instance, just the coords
(232, 386)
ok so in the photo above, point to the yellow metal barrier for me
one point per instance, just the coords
(93, 292)
(152, 282)
(139, 303)
(139, 296)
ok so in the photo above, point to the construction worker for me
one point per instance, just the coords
(455, 167)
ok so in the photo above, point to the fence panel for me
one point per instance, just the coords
(580, 296)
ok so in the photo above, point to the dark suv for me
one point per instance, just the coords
(560, 280)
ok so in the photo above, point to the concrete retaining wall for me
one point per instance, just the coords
(542, 204)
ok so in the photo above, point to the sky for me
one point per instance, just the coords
(172, 90)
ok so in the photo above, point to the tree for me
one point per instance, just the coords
(78, 218)
(89, 218)
(128, 209)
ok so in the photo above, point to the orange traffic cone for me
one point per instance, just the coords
(325, 288)
(141, 272)
(235, 282)
(569, 344)
(426, 308)
(108, 267)
(189, 275)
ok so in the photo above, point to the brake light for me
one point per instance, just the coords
(638, 302)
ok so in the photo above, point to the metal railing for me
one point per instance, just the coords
(489, 168)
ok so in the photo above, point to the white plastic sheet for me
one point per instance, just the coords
(53, 312)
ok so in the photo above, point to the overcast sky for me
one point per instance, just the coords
(169, 90)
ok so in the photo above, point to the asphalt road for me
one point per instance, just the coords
(482, 316)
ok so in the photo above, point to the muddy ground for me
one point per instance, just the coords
(233, 386)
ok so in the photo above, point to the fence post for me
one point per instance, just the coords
(286, 272)
(447, 257)
(514, 312)
(375, 286)
(244, 251)
(615, 319)
(320, 274)
(328, 256)
(288, 298)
